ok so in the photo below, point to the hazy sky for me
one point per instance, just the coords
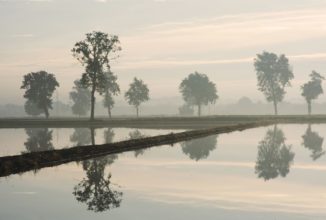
(163, 41)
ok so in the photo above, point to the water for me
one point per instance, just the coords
(263, 173)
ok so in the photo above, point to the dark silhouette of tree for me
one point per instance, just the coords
(81, 136)
(186, 110)
(93, 53)
(136, 134)
(32, 109)
(39, 139)
(39, 88)
(95, 190)
(200, 148)
(197, 90)
(274, 156)
(313, 142)
(273, 74)
(312, 89)
(81, 98)
(138, 92)
(112, 89)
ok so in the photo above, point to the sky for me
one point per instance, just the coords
(163, 41)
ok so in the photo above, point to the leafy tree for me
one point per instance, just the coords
(39, 88)
(138, 92)
(95, 190)
(273, 74)
(200, 148)
(112, 88)
(108, 135)
(274, 156)
(39, 139)
(32, 109)
(81, 98)
(314, 142)
(197, 90)
(186, 110)
(93, 53)
(312, 89)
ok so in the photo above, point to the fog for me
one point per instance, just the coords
(162, 42)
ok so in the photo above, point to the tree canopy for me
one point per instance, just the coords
(39, 88)
(111, 89)
(94, 54)
(200, 148)
(273, 74)
(137, 93)
(198, 90)
(312, 89)
(81, 98)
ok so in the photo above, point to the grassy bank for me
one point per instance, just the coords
(158, 122)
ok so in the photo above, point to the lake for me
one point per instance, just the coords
(273, 172)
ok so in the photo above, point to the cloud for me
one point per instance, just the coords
(234, 32)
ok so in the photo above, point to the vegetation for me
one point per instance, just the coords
(186, 110)
(197, 90)
(39, 88)
(112, 88)
(32, 109)
(137, 93)
(93, 53)
(312, 89)
(198, 149)
(273, 74)
(81, 98)
(274, 156)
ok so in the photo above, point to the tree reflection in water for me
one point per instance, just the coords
(136, 134)
(39, 139)
(81, 136)
(314, 143)
(274, 156)
(199, 148)
(95, 189)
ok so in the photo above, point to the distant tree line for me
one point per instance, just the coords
(274, 75)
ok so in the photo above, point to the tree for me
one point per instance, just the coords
(312, 89)
(314, 142)
(199, 148)
(274, 156)
(186, 110)
(93, 53)
(32, 109)
(39, 88)
(81, 98)
(197, 90)
(112, 88)
(273, 74)
(138, 92)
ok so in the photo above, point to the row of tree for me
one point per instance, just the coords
(95, 52)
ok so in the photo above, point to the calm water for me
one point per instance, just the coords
(264, 173)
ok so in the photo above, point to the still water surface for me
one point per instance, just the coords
(263, 173)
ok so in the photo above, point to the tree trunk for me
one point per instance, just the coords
(92, 102)
(109, 112)
(309, 107)
(199, 110)
(46, 112)
(93, 136)
(275, 108)
(137, 111)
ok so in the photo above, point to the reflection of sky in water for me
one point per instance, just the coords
(164, 183)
